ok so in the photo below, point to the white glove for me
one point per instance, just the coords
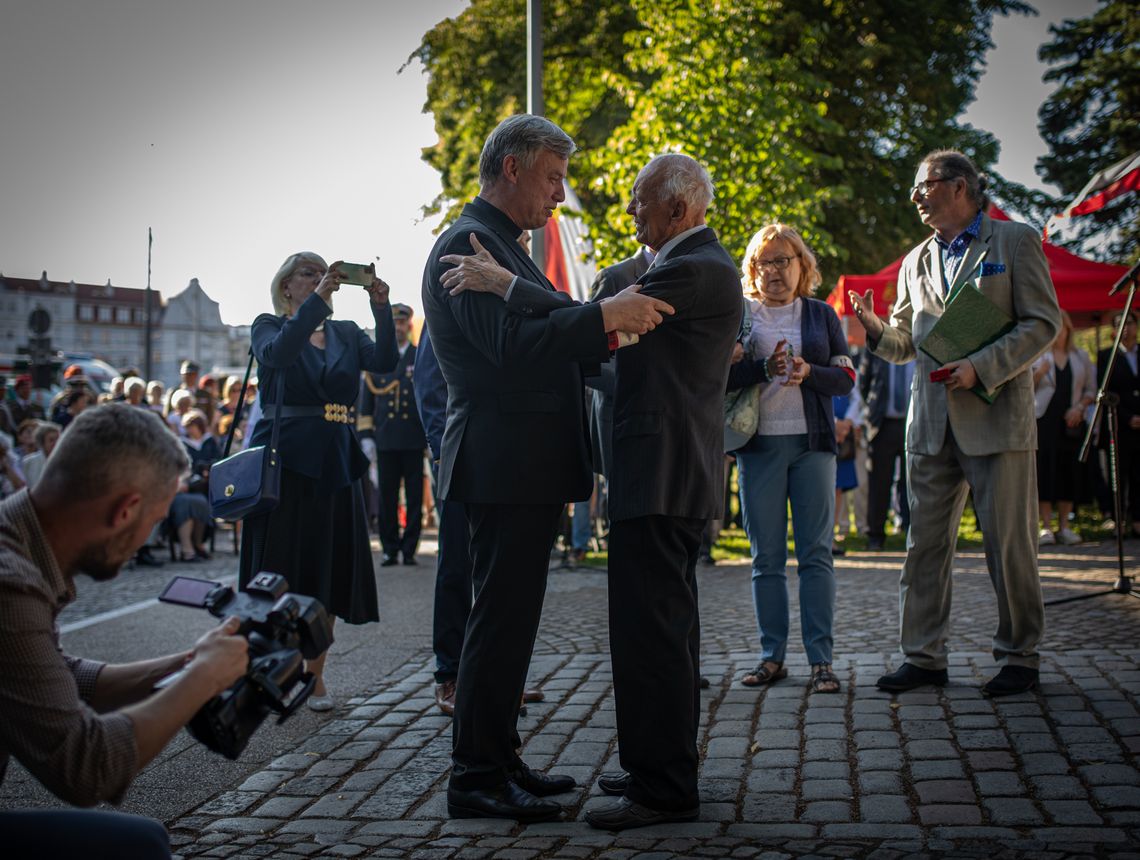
(368, 446)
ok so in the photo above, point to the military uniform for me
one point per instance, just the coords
(389, 417)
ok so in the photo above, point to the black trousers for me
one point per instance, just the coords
(392, 467)
(510, 556)
(655, 635)
(82, 833)
(887, 447)
(452, 589)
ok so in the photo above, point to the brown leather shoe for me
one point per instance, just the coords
(445, 697)
(534, 694)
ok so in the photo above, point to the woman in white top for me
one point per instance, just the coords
(1064, 382)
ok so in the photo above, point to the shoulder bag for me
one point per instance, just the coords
(741, 407)
(248, 483)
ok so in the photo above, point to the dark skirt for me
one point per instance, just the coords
(318, 540)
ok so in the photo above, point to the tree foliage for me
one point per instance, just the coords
(814, 113)
(1090, 121)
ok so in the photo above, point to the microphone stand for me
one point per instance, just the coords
(1109, 400)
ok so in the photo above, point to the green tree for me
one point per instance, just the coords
(812, 113)
(1090, 121)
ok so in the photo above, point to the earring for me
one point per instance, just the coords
(288, 296)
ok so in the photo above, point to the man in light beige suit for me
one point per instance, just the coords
(955, 441)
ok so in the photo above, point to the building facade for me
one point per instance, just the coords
(109, 323)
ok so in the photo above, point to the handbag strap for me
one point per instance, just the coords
(241, 405)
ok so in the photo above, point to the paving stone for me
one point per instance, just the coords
(1070, 812)
(957, 813)
(990, 760)
(281, 807)
(940, 769)
(826, 770)
(769, 807)
(1116, 796)
(884, 808)
(945, 791)
(1058, 787)
(930, 750)
(874, 759)
(1109, 774)
(1011, 811)
(825, 789)
(880, 782)
(826, 811)
(999, 783)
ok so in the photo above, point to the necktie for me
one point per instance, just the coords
(898, 389)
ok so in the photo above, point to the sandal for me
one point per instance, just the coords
(762, 675)
(823, 680)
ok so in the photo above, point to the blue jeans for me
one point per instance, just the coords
(581, 526)
(783, 469)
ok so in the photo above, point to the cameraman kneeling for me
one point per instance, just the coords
(83, 728)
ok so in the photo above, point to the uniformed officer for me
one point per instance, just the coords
(393, 437)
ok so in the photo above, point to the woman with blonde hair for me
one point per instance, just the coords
(797, 353)
(317, 536)
(1064, 383)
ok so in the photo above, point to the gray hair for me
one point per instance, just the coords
(952, 164)
(680, 177)
(524, 136)
(276, 291)
(111, 448)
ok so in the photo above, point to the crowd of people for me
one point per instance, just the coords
(522, 396)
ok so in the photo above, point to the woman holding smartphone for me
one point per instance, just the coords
(317, 536)
(797, 353)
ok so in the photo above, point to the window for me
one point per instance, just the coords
(122, 315)
(86, 313)
(104, 314)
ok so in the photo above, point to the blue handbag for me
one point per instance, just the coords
(247, 484)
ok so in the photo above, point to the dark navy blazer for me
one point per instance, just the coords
(325, 450)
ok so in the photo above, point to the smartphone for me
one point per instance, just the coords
(942, 374)
(357, 273)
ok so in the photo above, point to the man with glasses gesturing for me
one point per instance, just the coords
(956, 442)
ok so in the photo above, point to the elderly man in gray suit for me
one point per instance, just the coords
(956, 442)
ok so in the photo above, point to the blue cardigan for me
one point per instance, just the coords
(823, 339)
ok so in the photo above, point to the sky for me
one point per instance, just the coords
(241, 131)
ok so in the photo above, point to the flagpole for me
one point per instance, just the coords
(534, 103)
(147, 333)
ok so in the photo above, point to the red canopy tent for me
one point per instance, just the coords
(1082, 286)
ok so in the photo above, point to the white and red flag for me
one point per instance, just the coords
(1110, 183)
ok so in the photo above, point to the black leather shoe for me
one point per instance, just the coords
(389, 560)
(624, 814)
(541, 784)
(146, 558)
(507, 801)
(1010, 681)
(614, 783)
(908, 676)
(410, 559)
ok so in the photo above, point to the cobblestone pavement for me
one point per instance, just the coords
(783, 773)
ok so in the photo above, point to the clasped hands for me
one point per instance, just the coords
(794, 368)
(963, 375)
(628, 311)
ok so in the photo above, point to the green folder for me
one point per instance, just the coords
(970, 322)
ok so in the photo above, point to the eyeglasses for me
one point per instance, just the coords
(779, 263)
(309, 273)
(923, 188)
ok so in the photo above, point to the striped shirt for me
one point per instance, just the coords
(82, 756)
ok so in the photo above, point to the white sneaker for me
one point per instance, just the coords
(1046, 538)
(1069, 537)
(321, 703)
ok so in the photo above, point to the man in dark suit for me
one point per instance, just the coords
(514, 449)
(1125, 383)
(667, 481)
(885, 389)
(393, 437)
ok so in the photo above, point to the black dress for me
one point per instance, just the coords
(317, 536)
(1057, 446)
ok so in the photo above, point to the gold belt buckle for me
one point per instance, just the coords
(337, 412)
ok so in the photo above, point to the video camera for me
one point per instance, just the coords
(283, 630)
